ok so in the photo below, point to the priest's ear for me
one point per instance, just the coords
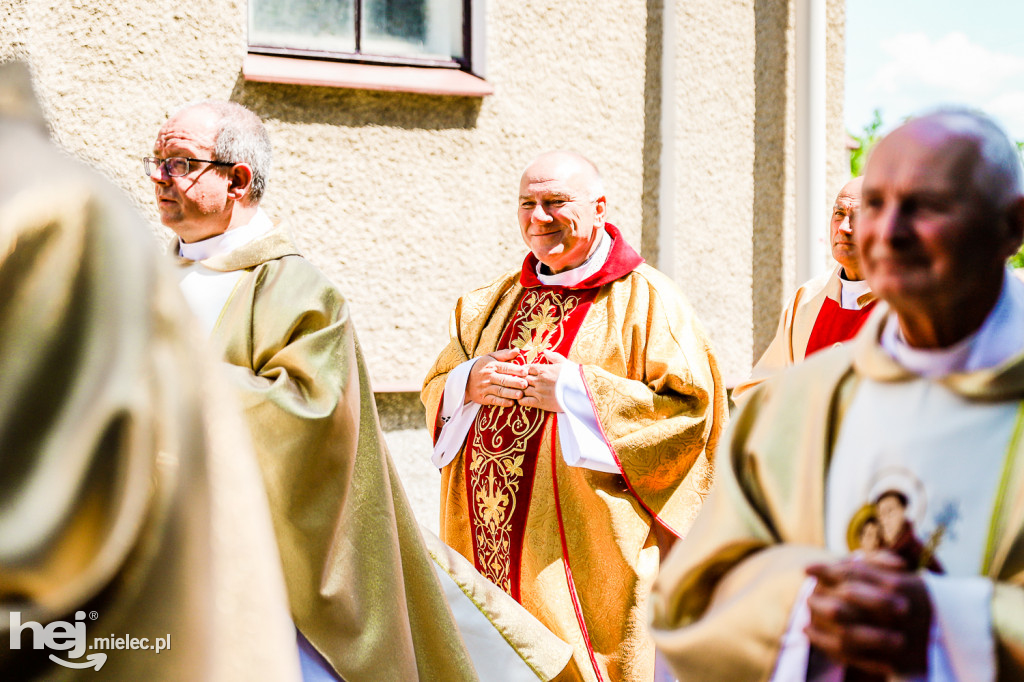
(600, 209)
(240, 181)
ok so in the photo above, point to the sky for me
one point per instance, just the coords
(908, 56)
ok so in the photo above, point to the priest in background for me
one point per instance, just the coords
(826, 310)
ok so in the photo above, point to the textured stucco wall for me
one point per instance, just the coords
(733, 149)
(712, 150)
(774, 237)
(407, 201)
(838, 156)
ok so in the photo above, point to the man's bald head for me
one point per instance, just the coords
(942, 210)
(997, 172)
(569, 164)
(852, 188)
(841, 228)
(561, 209)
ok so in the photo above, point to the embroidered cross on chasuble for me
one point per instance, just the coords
(499, 462)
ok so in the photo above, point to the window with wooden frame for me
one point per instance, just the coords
(425, 33)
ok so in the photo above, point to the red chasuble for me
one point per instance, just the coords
(502, 445)
(835, 324)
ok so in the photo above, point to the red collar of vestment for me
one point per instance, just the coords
(622, 260)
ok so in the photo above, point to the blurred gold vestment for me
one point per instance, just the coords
(723, 600)
(127, 493)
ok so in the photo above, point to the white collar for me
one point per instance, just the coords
(228, 241)
(999, 338)
(851, 290)
(590, 266)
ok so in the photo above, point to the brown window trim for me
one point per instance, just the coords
(363, 71)
(264, 68)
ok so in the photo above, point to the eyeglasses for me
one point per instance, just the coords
(176, 166)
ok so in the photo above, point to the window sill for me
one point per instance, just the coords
(263, 68)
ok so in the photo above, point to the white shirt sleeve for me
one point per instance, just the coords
(960, 643)
(458, 415)
(579, 433)
(794, 652)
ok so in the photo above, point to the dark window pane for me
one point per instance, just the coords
(422, 28)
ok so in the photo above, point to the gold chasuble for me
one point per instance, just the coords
(361, 580)
(722, 604)
(578, 547)
(500, 460)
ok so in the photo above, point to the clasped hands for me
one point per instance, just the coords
(871, 612)
(496, 380)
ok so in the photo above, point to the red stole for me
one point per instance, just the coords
(835, 324)
(502, 446)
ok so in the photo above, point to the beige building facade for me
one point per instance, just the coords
(408, 199)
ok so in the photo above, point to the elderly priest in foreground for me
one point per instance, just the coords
(575, 410)
(867, 520)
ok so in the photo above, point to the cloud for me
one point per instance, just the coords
(922, 72)
(952, 63)
(1008, 108)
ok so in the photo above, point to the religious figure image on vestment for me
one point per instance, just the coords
(887, 522)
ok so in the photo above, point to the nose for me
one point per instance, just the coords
(539, 215)
(159, 174)
(846, 227)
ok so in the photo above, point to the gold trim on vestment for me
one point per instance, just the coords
(501, 436)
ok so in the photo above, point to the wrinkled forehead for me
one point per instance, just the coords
(847, 201)
(548, 187)
(850, 193)
(547, 178)
(191, 130)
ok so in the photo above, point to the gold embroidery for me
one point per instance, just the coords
(501, 436)
(542, 330)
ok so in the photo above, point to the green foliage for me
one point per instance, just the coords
(865, 141)
(1017, 260)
